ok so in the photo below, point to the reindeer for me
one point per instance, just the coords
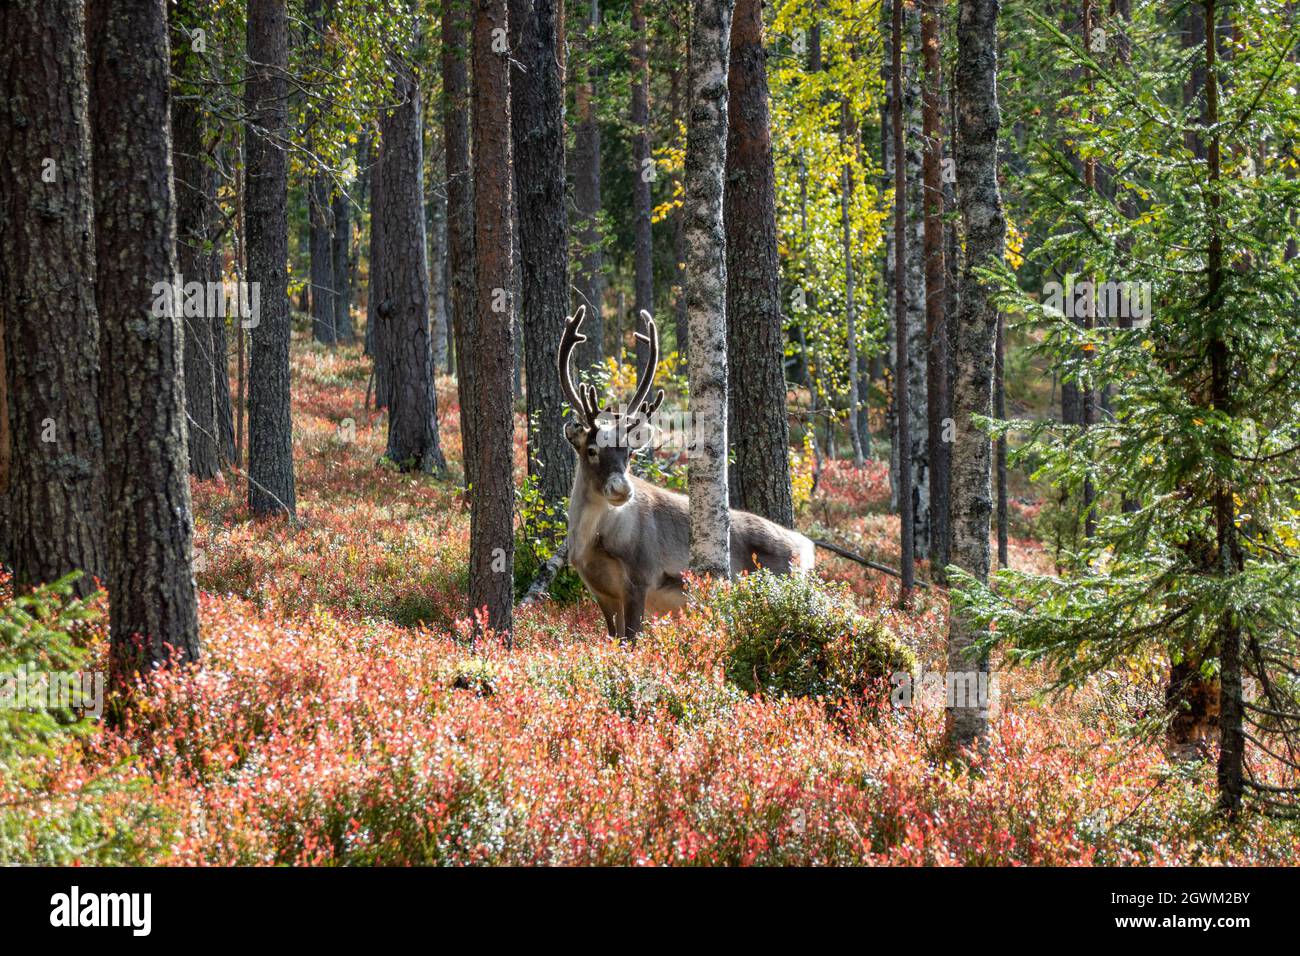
(629, 540)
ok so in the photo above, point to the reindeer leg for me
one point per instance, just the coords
(610, 610)
(633, 609)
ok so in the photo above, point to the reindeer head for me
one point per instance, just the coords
(603, 438)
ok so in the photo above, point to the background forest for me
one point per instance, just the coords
(995, 302)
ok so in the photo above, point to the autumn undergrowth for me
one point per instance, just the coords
(342, 714)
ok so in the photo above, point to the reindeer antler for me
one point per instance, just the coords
(639, 409)
(583, 399)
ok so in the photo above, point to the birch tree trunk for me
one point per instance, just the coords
(972, 388)
(706, 286)
(491, 573)
(153, 608)
(47, 298)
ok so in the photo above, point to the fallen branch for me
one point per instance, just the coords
(854, 556)
(541, 585)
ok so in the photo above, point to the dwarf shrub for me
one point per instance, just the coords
(796, 636)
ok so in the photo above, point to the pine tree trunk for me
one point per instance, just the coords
(6, 451)
(380, 305)
(755, 325)
(889, 271)
(51, 325)
(153, 611)
(706, 286)
(460, 215)
(589, 279)
(195, 192)
(902, 375)
(442, 338)
(643, 172)
(491, 577)
(413, 442)
(537, 118)
(936, 293)
(972, 386)
(917, 340)
(320, 208)
(321, 247)
(342, 248)
(270, 425)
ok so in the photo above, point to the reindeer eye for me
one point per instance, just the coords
(593, 455)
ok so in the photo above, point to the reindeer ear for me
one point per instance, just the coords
(573, 432)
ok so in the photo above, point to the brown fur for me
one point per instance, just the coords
(631, 549)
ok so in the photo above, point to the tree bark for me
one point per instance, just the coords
(491, 580)
(643, 170)
(195, 192)
(319, 206)
(902, 413)
(846, 243)
(1230, 772)
(1189, 694)
(407, 351)
(537, 120)
(936, 293)
(270, 425)
(379, 306)
(442, 339)
(460, 215)
(321, 246)
(889, 267)
(755, 324)
(589, 280)
(679, 111)
(51, 325)
(706, 286)
(1000, 445)
(153, 610)
(972, 387)
(342, 249)
(917, 342)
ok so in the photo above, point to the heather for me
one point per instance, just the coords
(343, 713)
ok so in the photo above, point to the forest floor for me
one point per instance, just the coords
(340, 714)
